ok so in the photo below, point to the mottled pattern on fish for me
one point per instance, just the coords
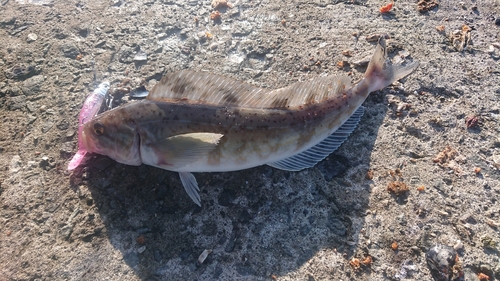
(202, 122)
(206, 88)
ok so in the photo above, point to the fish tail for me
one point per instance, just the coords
(381, 72)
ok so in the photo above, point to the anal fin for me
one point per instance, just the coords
(320, 151)
(190, 186)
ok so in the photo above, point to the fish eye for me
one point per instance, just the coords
(98, 129)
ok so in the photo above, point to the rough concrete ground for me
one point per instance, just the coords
(108, 221)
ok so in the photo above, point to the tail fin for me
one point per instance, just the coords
(381, 73)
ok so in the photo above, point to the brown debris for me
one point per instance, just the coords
(446, 155)
(394, 246)
(215, 15)
(141, 240)
(440, 28)
(395, 173)
(367, 261)
(354, 262)
(483, 277)
(369, 175)
(460, 38)
(471, 121)
(386, 8)
(342, 64)
(375, 37)
(347, 53)
(450, 158)
(216, 4)
(426, 5)
(421, 188)
(477, 170)
(397, 187)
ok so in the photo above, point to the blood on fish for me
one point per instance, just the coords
(386, 8)
(89, 109)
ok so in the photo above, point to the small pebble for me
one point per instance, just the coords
(459, 246)
(140, 56)
(203, 256)
(141, 250)
(32, 37)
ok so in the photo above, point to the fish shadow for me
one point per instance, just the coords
(256, 223)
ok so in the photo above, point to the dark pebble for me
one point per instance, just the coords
(217, 272)
(305, 229)
(63, 125)
(311, 219)
(47, 126)
(157, 255)
(20, 71)
(232, 241)
(185, 255)
(336, 226)
(441, 260)
(245, 269)
(497, 21)
(222, 239)
(15, 103)
(306, 256)
(143, 230)
(226, 197)
(102, 163)
(244, 217)
(139, 93)
(161, 191)
(132, 259)
(70, 50)
(66, 149)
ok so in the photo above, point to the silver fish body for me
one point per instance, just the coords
(202, 122)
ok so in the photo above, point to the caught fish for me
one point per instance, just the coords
(89, 109)
(202, 122)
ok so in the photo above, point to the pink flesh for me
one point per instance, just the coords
(89, 109)
(77, 159)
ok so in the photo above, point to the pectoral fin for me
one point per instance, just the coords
(177, 151)
(191, 187)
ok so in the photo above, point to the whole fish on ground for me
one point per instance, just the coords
(202, 122)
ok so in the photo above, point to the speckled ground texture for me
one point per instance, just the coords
(108, 221)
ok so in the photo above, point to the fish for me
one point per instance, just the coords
(202, 122)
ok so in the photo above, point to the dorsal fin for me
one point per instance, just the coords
(204, 87)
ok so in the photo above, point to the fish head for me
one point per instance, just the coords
(111, 135)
